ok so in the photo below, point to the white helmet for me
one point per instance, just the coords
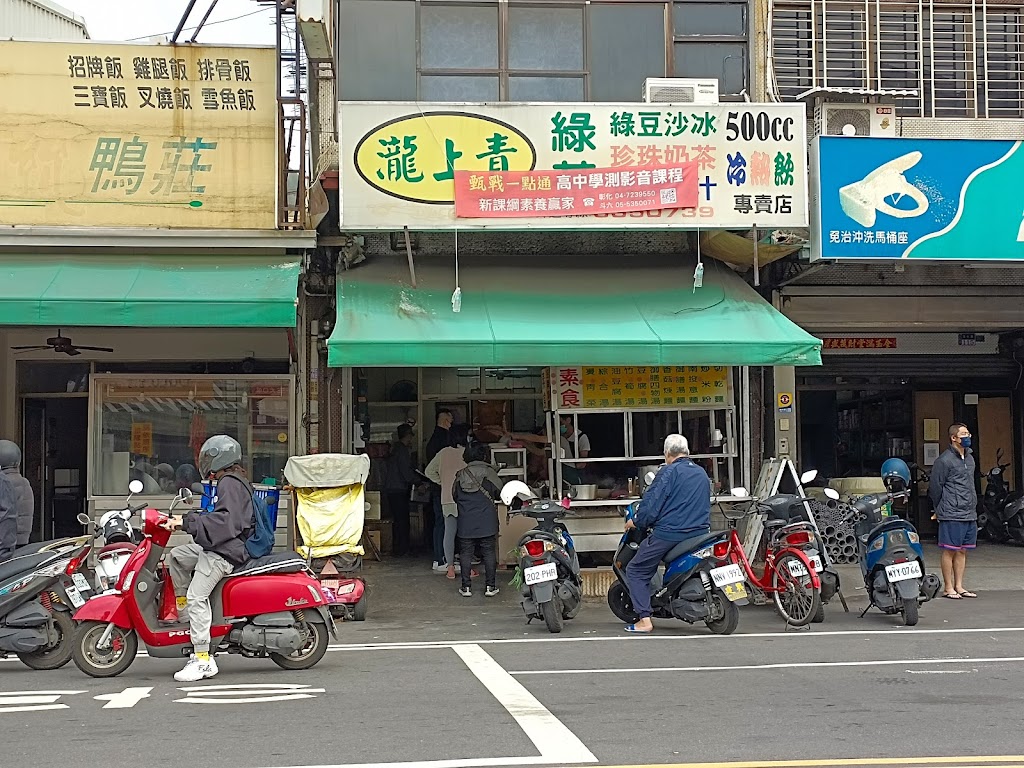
(516, 489)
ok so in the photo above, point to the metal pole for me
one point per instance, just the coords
(213, 4)
(757, 265)
(183, 21)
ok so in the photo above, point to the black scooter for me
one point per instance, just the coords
(35, 607)
(552, 587)
(997, 504)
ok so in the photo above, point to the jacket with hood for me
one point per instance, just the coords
(224, 530)
(474, 490)
(24, 503)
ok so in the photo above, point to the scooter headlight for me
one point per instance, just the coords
(876, 545)
(914, 538)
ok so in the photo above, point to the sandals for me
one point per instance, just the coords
(951, 595)
(967, 593)
(631, 628)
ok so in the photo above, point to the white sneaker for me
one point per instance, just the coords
(492, 591)
(196, 670)
(439, 567)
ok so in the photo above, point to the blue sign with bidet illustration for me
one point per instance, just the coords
(950, 199)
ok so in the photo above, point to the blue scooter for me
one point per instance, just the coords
(891, 558)
(694, 586)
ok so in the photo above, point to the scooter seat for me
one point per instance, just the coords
(686, 546)
(121, 546)
(279, 562)
(23, 564)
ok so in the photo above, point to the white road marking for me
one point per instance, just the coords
(33, 701)
(780, 635)
(252, 693)
(556, 743)
(787, 665)
(126, 699)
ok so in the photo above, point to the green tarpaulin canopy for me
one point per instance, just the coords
(599, 311)
(152, 291)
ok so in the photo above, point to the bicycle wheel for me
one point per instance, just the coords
(796, 599)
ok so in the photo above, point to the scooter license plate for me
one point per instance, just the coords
(727, 574)
(81, 582)
(538, 574)
(74, 596)
(903, 571)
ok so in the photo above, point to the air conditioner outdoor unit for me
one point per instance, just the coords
(680, 90)
(854, 119)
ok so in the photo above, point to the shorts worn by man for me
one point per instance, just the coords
(220, 535)
(955, 503)
(676, 507)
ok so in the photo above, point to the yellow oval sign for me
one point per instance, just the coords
(414, 157)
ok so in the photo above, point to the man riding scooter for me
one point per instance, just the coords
(219, 547)
(677, 506)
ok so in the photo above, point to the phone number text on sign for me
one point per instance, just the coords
(512, 194)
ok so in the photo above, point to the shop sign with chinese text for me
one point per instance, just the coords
(905, 198)
(533, 194)
(399, 161)
(587, 386)
(112, 135)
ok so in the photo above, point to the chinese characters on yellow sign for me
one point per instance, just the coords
(138, 136)
(589, 386)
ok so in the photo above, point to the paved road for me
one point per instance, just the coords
(498, 693)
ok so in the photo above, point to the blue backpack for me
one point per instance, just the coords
(261, 540)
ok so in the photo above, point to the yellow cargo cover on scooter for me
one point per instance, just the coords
(330, 502)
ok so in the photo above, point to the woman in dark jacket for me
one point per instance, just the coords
(475, 489)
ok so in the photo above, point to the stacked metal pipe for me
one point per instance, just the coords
(836, 521)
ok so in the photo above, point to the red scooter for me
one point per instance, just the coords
(272, 606)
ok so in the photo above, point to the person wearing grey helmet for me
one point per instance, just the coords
(219, 547)
(24, 502)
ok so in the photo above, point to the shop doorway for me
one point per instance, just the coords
(55, 433)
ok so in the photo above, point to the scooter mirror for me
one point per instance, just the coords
(832, 493)
(808, 476)
(135, 486)
(83, 518)
(739, 492)
(185, 496)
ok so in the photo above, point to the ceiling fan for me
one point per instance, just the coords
(63, 344)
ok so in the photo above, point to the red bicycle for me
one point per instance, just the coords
(789, 576)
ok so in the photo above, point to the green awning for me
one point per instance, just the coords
(151, 291)
(599, 311)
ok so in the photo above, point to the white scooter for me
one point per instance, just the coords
(120, 540)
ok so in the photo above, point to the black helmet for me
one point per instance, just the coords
(10, 454)
(217, 453)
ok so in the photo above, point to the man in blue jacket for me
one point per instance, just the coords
(677, 506)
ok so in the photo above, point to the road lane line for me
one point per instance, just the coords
(947, 761)
(555, 742)
(782, 665)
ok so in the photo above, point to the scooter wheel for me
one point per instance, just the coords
(57, 655)
(819, 616)
(104, 662)
(729, 618)
(910, 612)
(621, 605)
(313, 651)
(552, 613)
(359, 609)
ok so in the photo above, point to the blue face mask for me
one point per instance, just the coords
(965, 442)
(562, 429)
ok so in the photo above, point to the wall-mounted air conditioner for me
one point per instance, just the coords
(680, 90)
(854, 119)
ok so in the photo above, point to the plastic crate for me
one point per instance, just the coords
(270, 494)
